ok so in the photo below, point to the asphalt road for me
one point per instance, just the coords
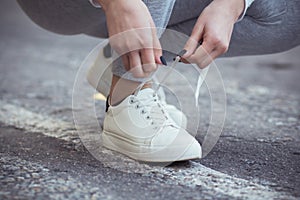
(257, 156)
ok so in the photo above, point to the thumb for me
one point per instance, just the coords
(193, 42)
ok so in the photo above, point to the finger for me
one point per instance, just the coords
(192, 43)
(190, 47)
(135, 64)
(221, 48)
(213, 55)
(157, 50)
(207, 61)
(210, 57)
(216, 53)
(125, 60)
(156, 44)
(148, 60)
(201, 54)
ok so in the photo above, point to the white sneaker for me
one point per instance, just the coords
(102, 65)
(141, 128)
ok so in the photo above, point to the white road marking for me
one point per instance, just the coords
(195, 175)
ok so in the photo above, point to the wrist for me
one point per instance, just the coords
(236, 7)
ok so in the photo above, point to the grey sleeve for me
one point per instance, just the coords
(160, 11)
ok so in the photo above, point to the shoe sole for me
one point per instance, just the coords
(161, 155)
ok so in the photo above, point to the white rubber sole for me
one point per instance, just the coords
(145, 154)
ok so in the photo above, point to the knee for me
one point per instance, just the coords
(44, 16)
(268, 12)
(280, 17)
(56, 16)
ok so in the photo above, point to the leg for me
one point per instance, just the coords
(68, 17)
(268, 27)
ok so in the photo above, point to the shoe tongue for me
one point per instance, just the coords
(146, 93)
(155, 110)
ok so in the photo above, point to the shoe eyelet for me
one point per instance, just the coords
(137, 106)
(143, 112)
(148, 117)
(131, 101)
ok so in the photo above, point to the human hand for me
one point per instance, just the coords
(133, 35)
(214, 28)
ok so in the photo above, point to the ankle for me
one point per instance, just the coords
(122, 88)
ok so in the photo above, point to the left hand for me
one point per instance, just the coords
(214, 28)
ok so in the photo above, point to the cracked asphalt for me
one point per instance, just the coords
(259, 146)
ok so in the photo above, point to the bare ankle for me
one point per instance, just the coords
(122, 88)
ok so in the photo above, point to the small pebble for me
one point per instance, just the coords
(9, 179)
(35, 175)
(279, 123)
(20, 178)
(292, 119)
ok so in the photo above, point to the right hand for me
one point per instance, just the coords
(214, 28)
(133, 35)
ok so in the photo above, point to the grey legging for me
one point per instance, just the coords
(269, 26)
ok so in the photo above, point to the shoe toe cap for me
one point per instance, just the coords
(180, 145)
(194, 151)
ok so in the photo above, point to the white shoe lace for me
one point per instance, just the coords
(152, 109)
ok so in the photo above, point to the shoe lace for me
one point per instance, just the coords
(153, 110)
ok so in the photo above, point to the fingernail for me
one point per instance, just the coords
(181, 53)
(163, 61)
